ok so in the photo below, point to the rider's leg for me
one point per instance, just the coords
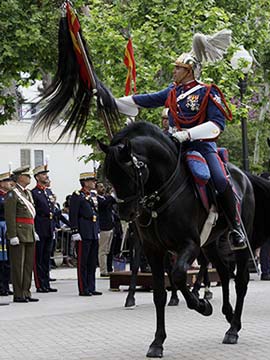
(227, 200)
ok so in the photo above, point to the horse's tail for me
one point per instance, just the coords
(69, 97)
(261, 228)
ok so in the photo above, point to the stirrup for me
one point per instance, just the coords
(237, 240)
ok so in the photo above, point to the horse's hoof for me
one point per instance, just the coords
(208, 295)
(173, 302)
(130, 304)
(155, 351)
(205, 307)
(130, 307)
(230, 338)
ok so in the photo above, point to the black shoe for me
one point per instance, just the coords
(20, 300)
(237, 240)
(51, 289)
(4, 293)
(104, 275)
(10, 292)
(265, 277)
(52, 279)
(42, 290)
(85, 294)
(30, 299)
(96, 293)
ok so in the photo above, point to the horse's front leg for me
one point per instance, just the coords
(135, 252)
(160, 297)
(241, 285)
(174, 300)
(184, 259)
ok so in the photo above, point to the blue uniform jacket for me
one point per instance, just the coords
(44, 224)
(83, 216)
(189, 106)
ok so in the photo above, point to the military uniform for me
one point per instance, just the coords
(44, 226)
(19, 215)
(190, 99)
(83, 221)
(4, 256)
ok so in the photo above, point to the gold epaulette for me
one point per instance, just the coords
(77, 192)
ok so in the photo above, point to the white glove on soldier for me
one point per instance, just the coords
(76, 237)
(14, 241)
(36, 237)
(181, 136)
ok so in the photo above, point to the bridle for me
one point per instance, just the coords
(149, 202)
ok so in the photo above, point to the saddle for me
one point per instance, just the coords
(200, 173)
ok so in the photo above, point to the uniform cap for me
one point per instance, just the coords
(88, 176)
(40, 169)
(5, 176)
(23, 170)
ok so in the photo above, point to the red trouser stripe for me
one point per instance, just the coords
(25, 220)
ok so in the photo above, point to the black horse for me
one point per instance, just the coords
(154, 189)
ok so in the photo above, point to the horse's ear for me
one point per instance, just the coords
(125, 151)
(103, 147)
(268, 141)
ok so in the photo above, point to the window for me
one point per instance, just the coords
(25, 157)
(39, 157)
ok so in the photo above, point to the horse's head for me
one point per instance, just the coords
(138, 162)
(128, 173)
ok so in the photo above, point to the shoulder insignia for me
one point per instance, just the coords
(77, 192)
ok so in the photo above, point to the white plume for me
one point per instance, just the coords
(211, 48)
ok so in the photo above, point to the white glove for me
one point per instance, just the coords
(14, 241)
(76, 237)
(36, 237)
(181, 136)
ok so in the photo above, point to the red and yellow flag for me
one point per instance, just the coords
(74, 28)
(129, 61)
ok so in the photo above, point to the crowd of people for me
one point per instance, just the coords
(32, 222)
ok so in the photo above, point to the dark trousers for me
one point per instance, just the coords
(87, 253)
(42, 262)
(21, 261)
(265, 258)
(4, 260)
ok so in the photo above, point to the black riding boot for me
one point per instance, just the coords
(228, 204)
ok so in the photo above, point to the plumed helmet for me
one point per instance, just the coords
(208, 48)
(189, 61)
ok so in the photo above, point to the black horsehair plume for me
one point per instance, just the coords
(69, 97)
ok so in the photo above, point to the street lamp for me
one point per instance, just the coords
(242, 60)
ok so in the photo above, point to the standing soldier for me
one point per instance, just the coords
(19, 215)
(105, 216)
(44, 225)
(5, 186)
(84, 226)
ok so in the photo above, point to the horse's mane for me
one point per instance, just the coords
(142, 128)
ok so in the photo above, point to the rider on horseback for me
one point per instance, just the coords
(197, 114)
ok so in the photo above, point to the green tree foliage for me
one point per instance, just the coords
(160, 30)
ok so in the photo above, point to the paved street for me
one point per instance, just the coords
(65, 326)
